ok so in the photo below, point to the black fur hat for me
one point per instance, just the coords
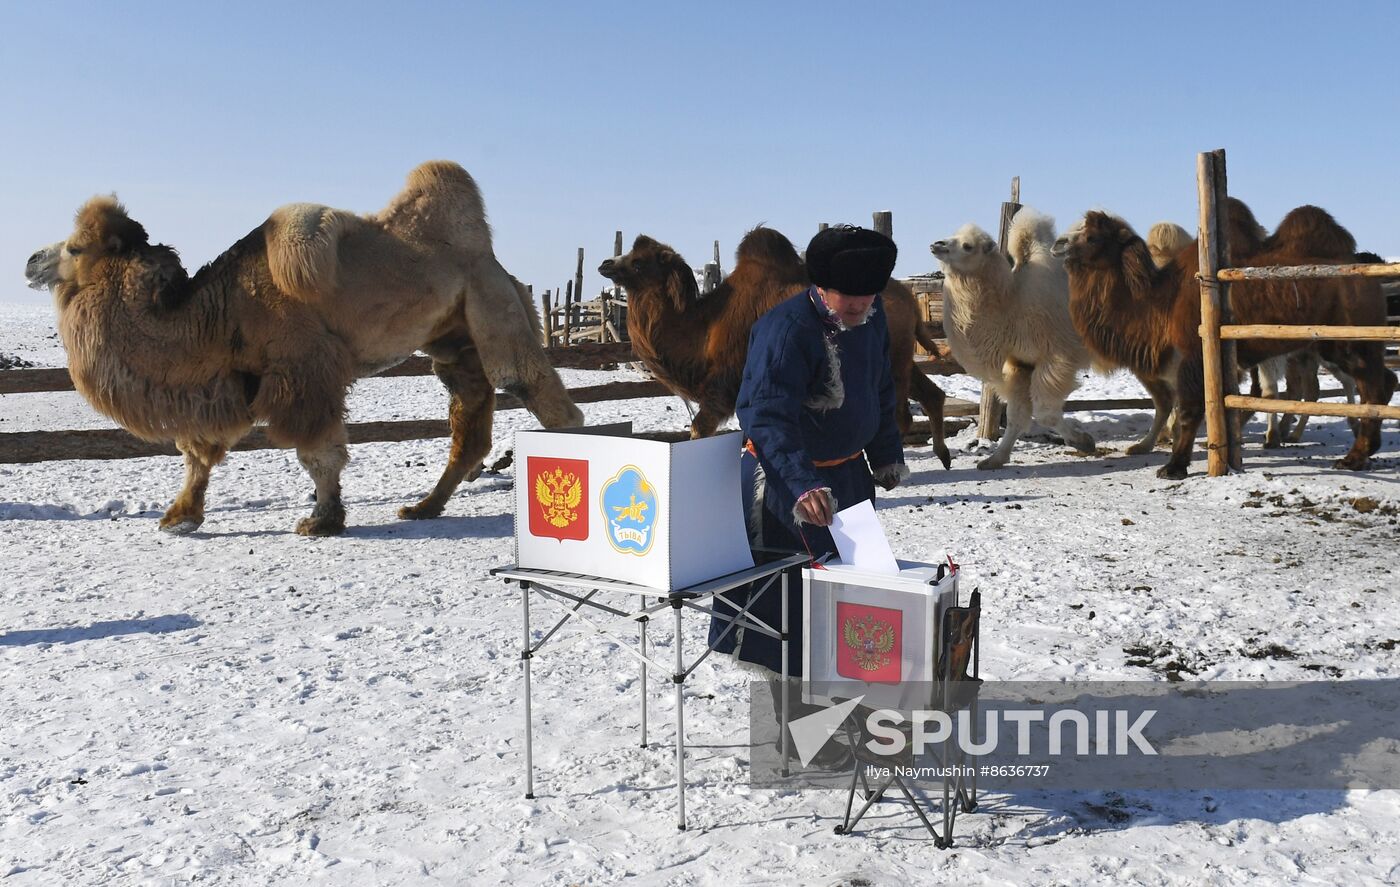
(851, 260)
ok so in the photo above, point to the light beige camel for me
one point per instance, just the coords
(1011, 329)
(276, 329)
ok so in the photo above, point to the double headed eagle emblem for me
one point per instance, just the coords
(870, 640)
(559, 495)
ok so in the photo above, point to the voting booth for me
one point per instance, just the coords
(600, 502)
(612, 531)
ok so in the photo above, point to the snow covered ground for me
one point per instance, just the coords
(246, 706)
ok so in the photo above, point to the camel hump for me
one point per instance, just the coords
(302, 247)
(1311, 231)
(440, 201)
(767, 246)
(1029, 230)
(440, 174)
(103, 222)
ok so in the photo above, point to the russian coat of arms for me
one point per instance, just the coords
(559, 487)
(870, 641)
(869, 648)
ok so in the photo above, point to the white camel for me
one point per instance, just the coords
(1010, 326)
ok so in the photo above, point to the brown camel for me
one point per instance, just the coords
(1154, 314)
(696, 345)
(1130, 328)
(277, 328)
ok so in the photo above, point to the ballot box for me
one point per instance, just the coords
(875, 634)
(602, 503)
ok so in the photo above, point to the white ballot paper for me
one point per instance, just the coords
(860, 540)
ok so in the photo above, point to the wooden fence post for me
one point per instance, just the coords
(616, 292)
(991, 412)
(1222, 447)
(548, 322)
(578, 281)
(884, 223)
(569, 314)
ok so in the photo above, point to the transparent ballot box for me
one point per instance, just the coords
(875, 634)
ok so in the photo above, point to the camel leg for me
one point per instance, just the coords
(1162, 403)
(324, 462)
(715, 405)
(1049, 391)
(1017, 394)
(1348, 389)
(509, 348)
(903, 377)
(1190, 410)
(473, 403)
(1270, 373)
(1300, 376)
(1365, 363)
(932, 399)
(186, 513)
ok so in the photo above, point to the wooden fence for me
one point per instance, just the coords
(115, 443)
(1218, 334)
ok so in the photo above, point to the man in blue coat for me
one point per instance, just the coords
(816, 405)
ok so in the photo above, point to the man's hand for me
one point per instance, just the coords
(816, 507)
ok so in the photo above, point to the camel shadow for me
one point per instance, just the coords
(486, 526)
(100, 630)
(1080, 466)
(952, 499)
(32, 511)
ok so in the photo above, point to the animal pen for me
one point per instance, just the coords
(1218, 334)
(593, 335)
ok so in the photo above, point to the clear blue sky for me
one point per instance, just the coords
(691, 121)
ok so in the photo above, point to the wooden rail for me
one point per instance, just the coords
(115, 443)
(589, 356)
(1306, 272)
(1310, 408)
(1342, 333)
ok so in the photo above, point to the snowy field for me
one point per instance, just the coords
(246, 706)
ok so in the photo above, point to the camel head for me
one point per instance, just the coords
(104, 234)
(652, 270)
(966, 250)
(1095, 241)
(1103, 242)
(41, 271)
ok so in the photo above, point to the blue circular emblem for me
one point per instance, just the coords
(629, 508)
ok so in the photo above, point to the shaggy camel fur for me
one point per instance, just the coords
(1011, 327)
(1109, 265)
(696, 346)
(277, 328)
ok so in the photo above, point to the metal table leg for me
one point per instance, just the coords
(525, 656)
(642, 600)
(783, 727)
(679, 680)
